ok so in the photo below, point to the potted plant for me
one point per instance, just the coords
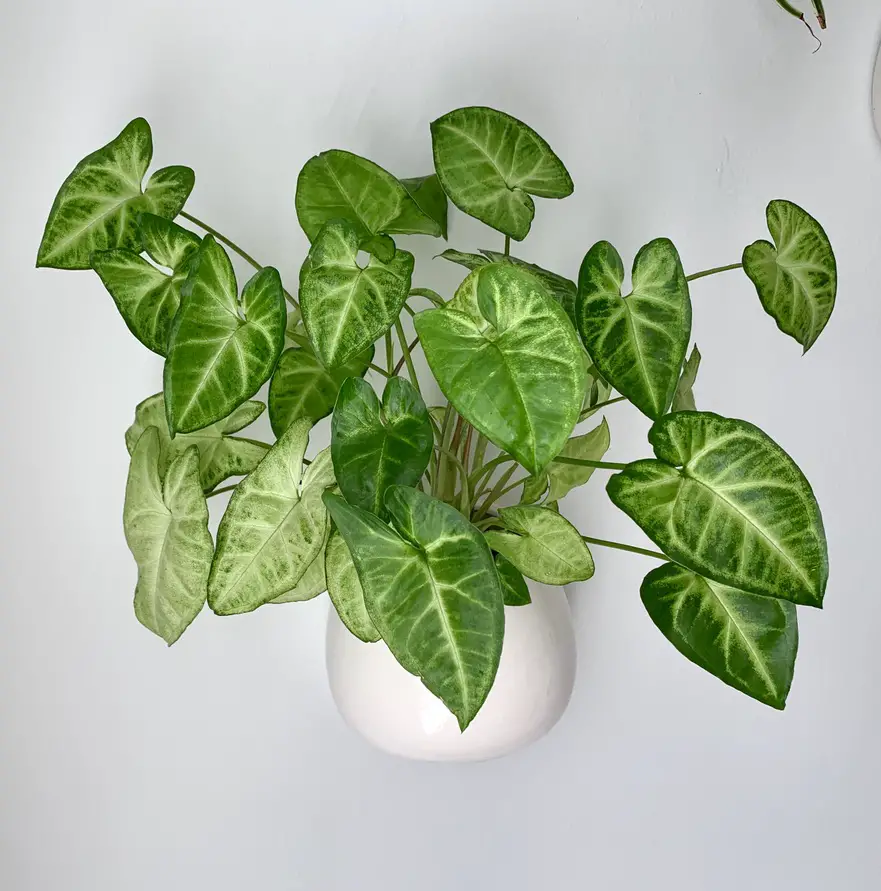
(400, 519)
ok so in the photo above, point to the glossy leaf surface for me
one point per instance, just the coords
(345, 590)
(376, 445)
(724, 500)
(147, 297)
(513, 368)
(490, 164)
(166, 528)
(796, 277)
(222, 348)
(543, 545)
(274, 527)
(429, 215)
(221, 455)
(637, 343)
(747, 641)
(97, 206)
(432, 591)
(515, 591)
(346, 307)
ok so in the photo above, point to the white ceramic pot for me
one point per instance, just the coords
(392, 710)
(876, 94)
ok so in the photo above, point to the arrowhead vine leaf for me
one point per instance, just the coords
(515, 591)
(490, 164)
(796, 277)
(638, 342)
(221, 455)
(377, 445)
(747, 641)
(97, 206)
(429, 217)
(724, 500)
(148, 298)
(514, 369)
(347, 307)
(564, 478)
(432, 591)
(166, 527)
(683, 398)
(222, 347)
(312, 582)
(345, 590)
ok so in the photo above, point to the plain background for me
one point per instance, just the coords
(221, 763)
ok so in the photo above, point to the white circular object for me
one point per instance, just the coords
(392, 710)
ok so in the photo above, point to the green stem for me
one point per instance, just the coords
(399, 328)
(465, 498)
(821, 13)
(507, 245)
(496, 492)
(233, 247)
(716, 269)
(788, 7)
(374, 367)
(624, 547)
(410, 309)
(479, 451)
(589, 411)
(389, 353)
(413, 344)
(586, 462)
(489, 467)
(428, 294)
(220, 491)
(256, 442)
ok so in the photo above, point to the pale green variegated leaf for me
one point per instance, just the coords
(222, 347)
(596, 391)
(490, 164)
(345, 590)
(295, 331)
(220, 454)
(346, 307)
(338, 185)
(511, 365)
(302, 387)
(566, 477)
(724, 500)
(147, 297)
(166, 527)
(427, 213)
(534, 488)
(469, 261)
(638, 342)
(274, 527)
(515, 591)
(376, 445)
(432, 591)
(97, 206)
(543, 545)
(312, 583)
(683, 398)
(747, 641)
(796, 277)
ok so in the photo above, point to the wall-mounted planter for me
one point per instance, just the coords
(393, 710)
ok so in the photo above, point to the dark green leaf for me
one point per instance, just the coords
(345, 590)
(747, 641)
(431, 203)
(638, 342)
(222, 348)
(469, 261)
(381, 246)
(797, 279)
(489, 164)
(146, 297)
(724, 500)
(683, 398)
(514, 588)
(510, 364)
(97, 206)
(432, 591)
(346, 308)
(375, 445)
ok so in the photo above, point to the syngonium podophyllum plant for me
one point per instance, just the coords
(400, 518)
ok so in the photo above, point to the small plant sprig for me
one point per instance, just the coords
(400, 518)
(819, 11)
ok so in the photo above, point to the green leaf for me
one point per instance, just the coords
(381, 246)
(514, 369)
(338, 185)
(747, 641)
(724, 500)
(796, 277)
(220, 454)
(97, 206)
(303, 388)
(146, 297)
(638, 342)
(432, 591)
(534, 488)
(430, 208)
(683, 398)
(312, 583)
(346, 308)
(222, 347)
(515, 591)
(274, 527)
(543, 545)
(489, 164)
(166, 528)
(345, 590)
(566, 477)
(375, 446)
(596, 390)
(469, 261)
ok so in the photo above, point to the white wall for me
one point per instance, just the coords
(221, 764)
